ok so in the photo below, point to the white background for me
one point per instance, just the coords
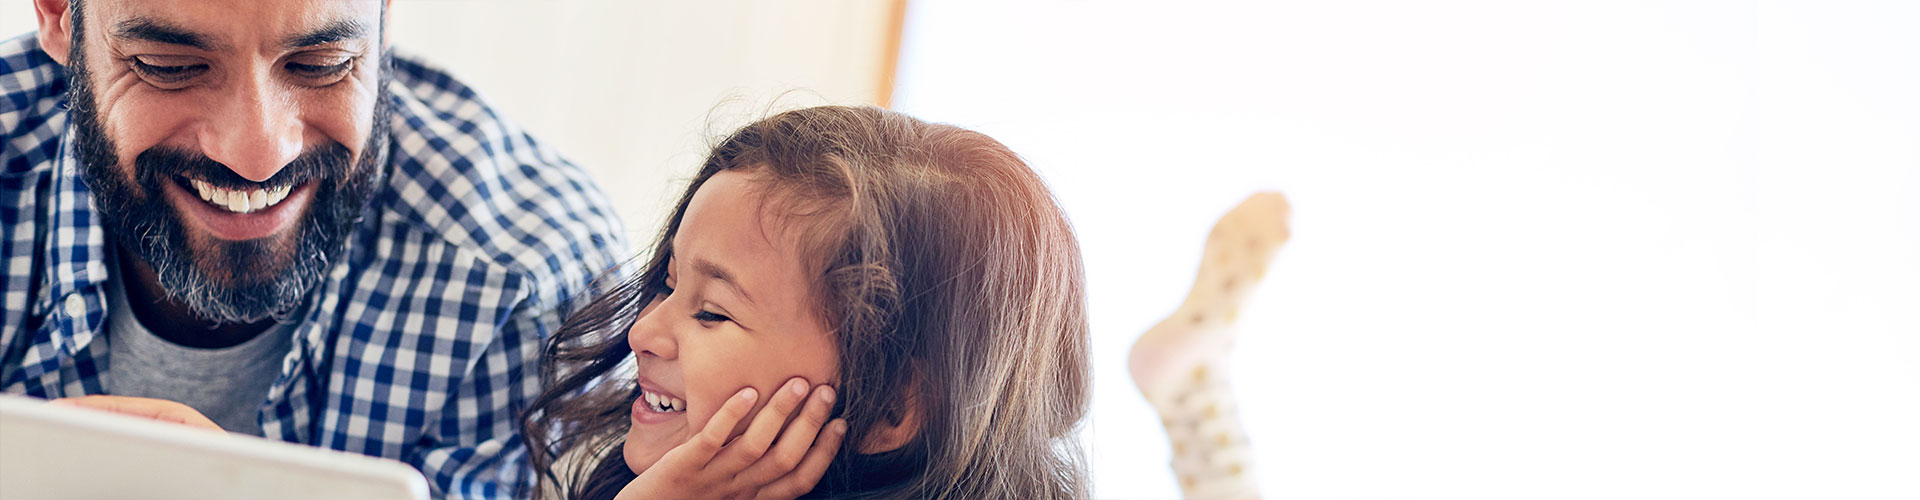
(1542, 250)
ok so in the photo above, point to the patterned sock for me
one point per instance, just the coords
(1179, 365)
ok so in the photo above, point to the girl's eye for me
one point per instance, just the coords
(168, 73)
(708, 317)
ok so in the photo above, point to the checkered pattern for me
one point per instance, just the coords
(422, 345)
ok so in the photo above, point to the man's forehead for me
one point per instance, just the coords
(220, 25)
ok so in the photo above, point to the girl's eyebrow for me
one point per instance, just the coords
(713, 270)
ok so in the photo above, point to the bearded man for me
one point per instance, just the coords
(252, 208)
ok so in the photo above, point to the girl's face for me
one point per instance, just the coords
(741, 313)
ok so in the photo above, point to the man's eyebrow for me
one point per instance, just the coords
(332, 32)
(710, 269)
(158, 31)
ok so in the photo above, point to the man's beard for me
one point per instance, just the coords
(227, 281)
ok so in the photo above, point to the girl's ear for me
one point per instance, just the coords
(889, 436)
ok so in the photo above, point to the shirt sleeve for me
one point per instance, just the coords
(475, 451)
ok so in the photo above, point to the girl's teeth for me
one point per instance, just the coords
(664, 403)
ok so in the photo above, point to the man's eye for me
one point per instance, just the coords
(708, 317)
(319, 71)
(168, 73)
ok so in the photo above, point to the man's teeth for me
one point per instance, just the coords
(664, 403)
(241, 201)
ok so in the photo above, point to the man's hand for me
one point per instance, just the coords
(149, 408)
(754, 465)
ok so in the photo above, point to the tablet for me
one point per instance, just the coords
(51, 452)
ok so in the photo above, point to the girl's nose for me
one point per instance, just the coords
(651, 335)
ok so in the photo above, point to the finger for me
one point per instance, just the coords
(805, 476)
(794, 441)
(760, 434)
(148, 408)
(684, 466)
(712, 437)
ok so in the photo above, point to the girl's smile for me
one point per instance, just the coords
(657, 406)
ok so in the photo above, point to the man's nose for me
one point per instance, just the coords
(255, 130)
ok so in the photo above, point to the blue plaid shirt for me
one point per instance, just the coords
(424, 342)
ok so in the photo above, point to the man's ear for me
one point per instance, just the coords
(56, 28)
(386, 40)
(889, 436)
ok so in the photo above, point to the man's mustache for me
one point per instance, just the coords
(160, 164)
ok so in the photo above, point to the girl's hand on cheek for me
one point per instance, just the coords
(767, 462)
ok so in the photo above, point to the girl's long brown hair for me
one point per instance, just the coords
(950, 278)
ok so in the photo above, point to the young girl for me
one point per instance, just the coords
(921, 273)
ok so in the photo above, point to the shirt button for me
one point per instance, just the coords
(76, 306)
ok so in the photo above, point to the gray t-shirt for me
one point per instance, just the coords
(228, 385)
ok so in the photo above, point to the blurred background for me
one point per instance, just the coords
(1542, 249)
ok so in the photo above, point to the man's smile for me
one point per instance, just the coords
(239, 201)
(236, 215)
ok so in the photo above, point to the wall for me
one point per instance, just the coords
(636, 90)
(1567, 250)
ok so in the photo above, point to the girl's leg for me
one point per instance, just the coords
(1180, 364)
